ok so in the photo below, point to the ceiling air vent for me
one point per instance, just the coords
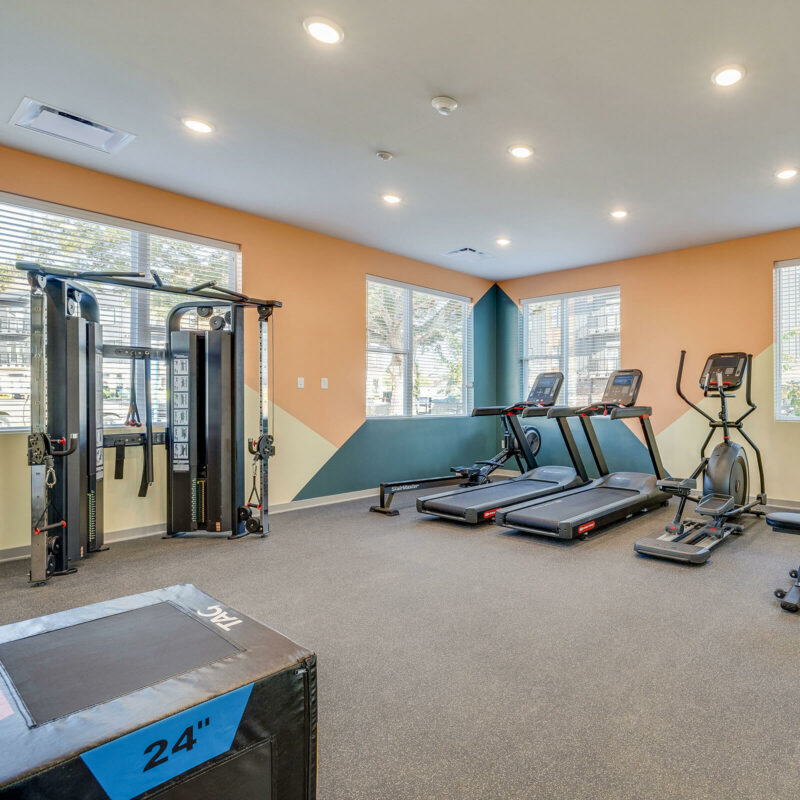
(468, 254)
(53, 121)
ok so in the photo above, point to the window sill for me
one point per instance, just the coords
(387, 418)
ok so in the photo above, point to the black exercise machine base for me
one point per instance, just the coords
(790, 600)
(653, 547)
(389, 512)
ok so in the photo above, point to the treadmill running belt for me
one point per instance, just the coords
(546, 516)
(493, 494)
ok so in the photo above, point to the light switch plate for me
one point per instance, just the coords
(324, 383)
(301, 383)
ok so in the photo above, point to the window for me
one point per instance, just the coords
(419, 351)
(56, 236)
(577, 334)
(786, 282)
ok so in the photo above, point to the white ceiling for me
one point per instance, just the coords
(615, 97)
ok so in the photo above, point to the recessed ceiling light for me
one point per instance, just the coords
(197, 125)
(786, 174)
(323, 30)
(502, 242)
(727, 76)
(520, 150)
(619, 213)
(391, 199)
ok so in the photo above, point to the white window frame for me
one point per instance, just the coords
(777, 340)
(140, 306)
(467, 387)
(524, 377)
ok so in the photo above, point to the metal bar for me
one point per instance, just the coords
(514, 427)
(133, 283)
(679, 390)
(572, 448)
(594, 445)
(652, 447)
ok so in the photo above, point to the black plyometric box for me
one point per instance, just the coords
(168, 694)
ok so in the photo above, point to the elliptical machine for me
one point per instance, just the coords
(726, 475)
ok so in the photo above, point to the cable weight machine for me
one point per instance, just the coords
(204, 434)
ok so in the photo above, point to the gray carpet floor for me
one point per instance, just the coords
(472, 663)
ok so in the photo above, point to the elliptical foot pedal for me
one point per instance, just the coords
(674, 551)
(715, 505)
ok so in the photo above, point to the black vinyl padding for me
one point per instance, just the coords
(247, 774)
(547, 515)
(492, 495)
(69, 669)
(787, 520)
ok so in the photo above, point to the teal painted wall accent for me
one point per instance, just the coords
(507, 358)
(622, 449)
(383, 450)
(398, 449)
(484, 348)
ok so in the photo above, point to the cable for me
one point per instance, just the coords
(274, 429)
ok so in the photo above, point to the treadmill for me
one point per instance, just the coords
(611, 497)
(480, 503)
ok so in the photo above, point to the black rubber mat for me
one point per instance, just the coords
(62, 671)
(546, 516)
(493, 495)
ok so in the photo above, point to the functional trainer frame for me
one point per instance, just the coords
(66, 371)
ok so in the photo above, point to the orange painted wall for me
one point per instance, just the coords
(320, 331)
(703, 299)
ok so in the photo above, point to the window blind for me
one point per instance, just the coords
(56, 236)
(419, 351)
(786, 283)
(578, 334)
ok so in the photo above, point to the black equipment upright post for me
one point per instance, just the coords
(66, 371)
(726, 474)
(205, 410)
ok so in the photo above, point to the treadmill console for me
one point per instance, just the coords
(622, 387)
(731, 366)
(545, 389)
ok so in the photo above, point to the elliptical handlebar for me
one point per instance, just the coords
(748, 395)
(679, 390)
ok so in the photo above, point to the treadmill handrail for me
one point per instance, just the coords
(563, 411)
(625, 412)
(498, 411)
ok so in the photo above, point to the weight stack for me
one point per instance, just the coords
(168, 694)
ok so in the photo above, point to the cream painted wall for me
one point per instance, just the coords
(123, 509)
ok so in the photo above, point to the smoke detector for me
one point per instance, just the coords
(40, 117)
(444, 105)
(384, 155)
